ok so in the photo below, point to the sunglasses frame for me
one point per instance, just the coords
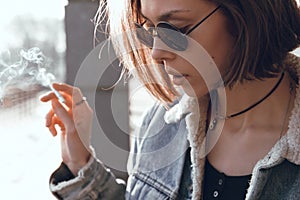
(162, 28)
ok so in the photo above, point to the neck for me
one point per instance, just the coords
(242, 96)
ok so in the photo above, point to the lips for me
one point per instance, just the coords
(179, 79)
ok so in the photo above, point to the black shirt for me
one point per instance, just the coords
(222, 187)
(217, 186)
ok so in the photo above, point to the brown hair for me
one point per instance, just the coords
(265, 32)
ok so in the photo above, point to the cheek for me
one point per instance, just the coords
(221, 55)
(222, 51)
(222, 63)
(219, 44)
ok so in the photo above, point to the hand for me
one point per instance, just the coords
(74, 121)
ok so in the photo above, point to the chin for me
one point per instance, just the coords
(197, 92)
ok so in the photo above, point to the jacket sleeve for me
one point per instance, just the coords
(93, 182)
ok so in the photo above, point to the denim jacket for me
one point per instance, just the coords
(157, 160)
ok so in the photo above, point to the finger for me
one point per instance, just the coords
(51, 95)
(75, 92)
(68, 99)
(61, 125)
(60, 110)
(49, 117)
(55, 121)
(52, 128)
(48, 96)
(52, 131)
(71, 90)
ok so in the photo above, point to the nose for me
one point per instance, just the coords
(160, 51)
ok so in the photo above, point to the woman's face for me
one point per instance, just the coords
(212, 35)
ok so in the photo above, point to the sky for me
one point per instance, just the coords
(37, 8)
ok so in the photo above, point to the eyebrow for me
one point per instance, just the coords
(168, 15)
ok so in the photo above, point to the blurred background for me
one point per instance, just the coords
(28, 152)
(64, 31)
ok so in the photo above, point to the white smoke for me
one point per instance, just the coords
(30, 70)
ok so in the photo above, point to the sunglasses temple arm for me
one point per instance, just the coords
(194, 27)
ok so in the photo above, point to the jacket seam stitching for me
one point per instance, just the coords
(155, 184)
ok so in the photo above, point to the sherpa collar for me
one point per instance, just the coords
(288, 147)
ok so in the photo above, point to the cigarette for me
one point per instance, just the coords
(57, 94)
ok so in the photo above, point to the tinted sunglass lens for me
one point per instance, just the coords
(172, 37)
(144, 36)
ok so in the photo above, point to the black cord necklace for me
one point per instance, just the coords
(258, 102)
(214, 121)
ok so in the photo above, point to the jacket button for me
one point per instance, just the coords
(220, 182)
(216, 194)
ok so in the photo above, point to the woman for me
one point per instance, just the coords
(201, 144)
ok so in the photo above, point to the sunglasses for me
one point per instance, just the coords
(172, 36)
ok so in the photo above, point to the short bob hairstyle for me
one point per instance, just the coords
(265, 32)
